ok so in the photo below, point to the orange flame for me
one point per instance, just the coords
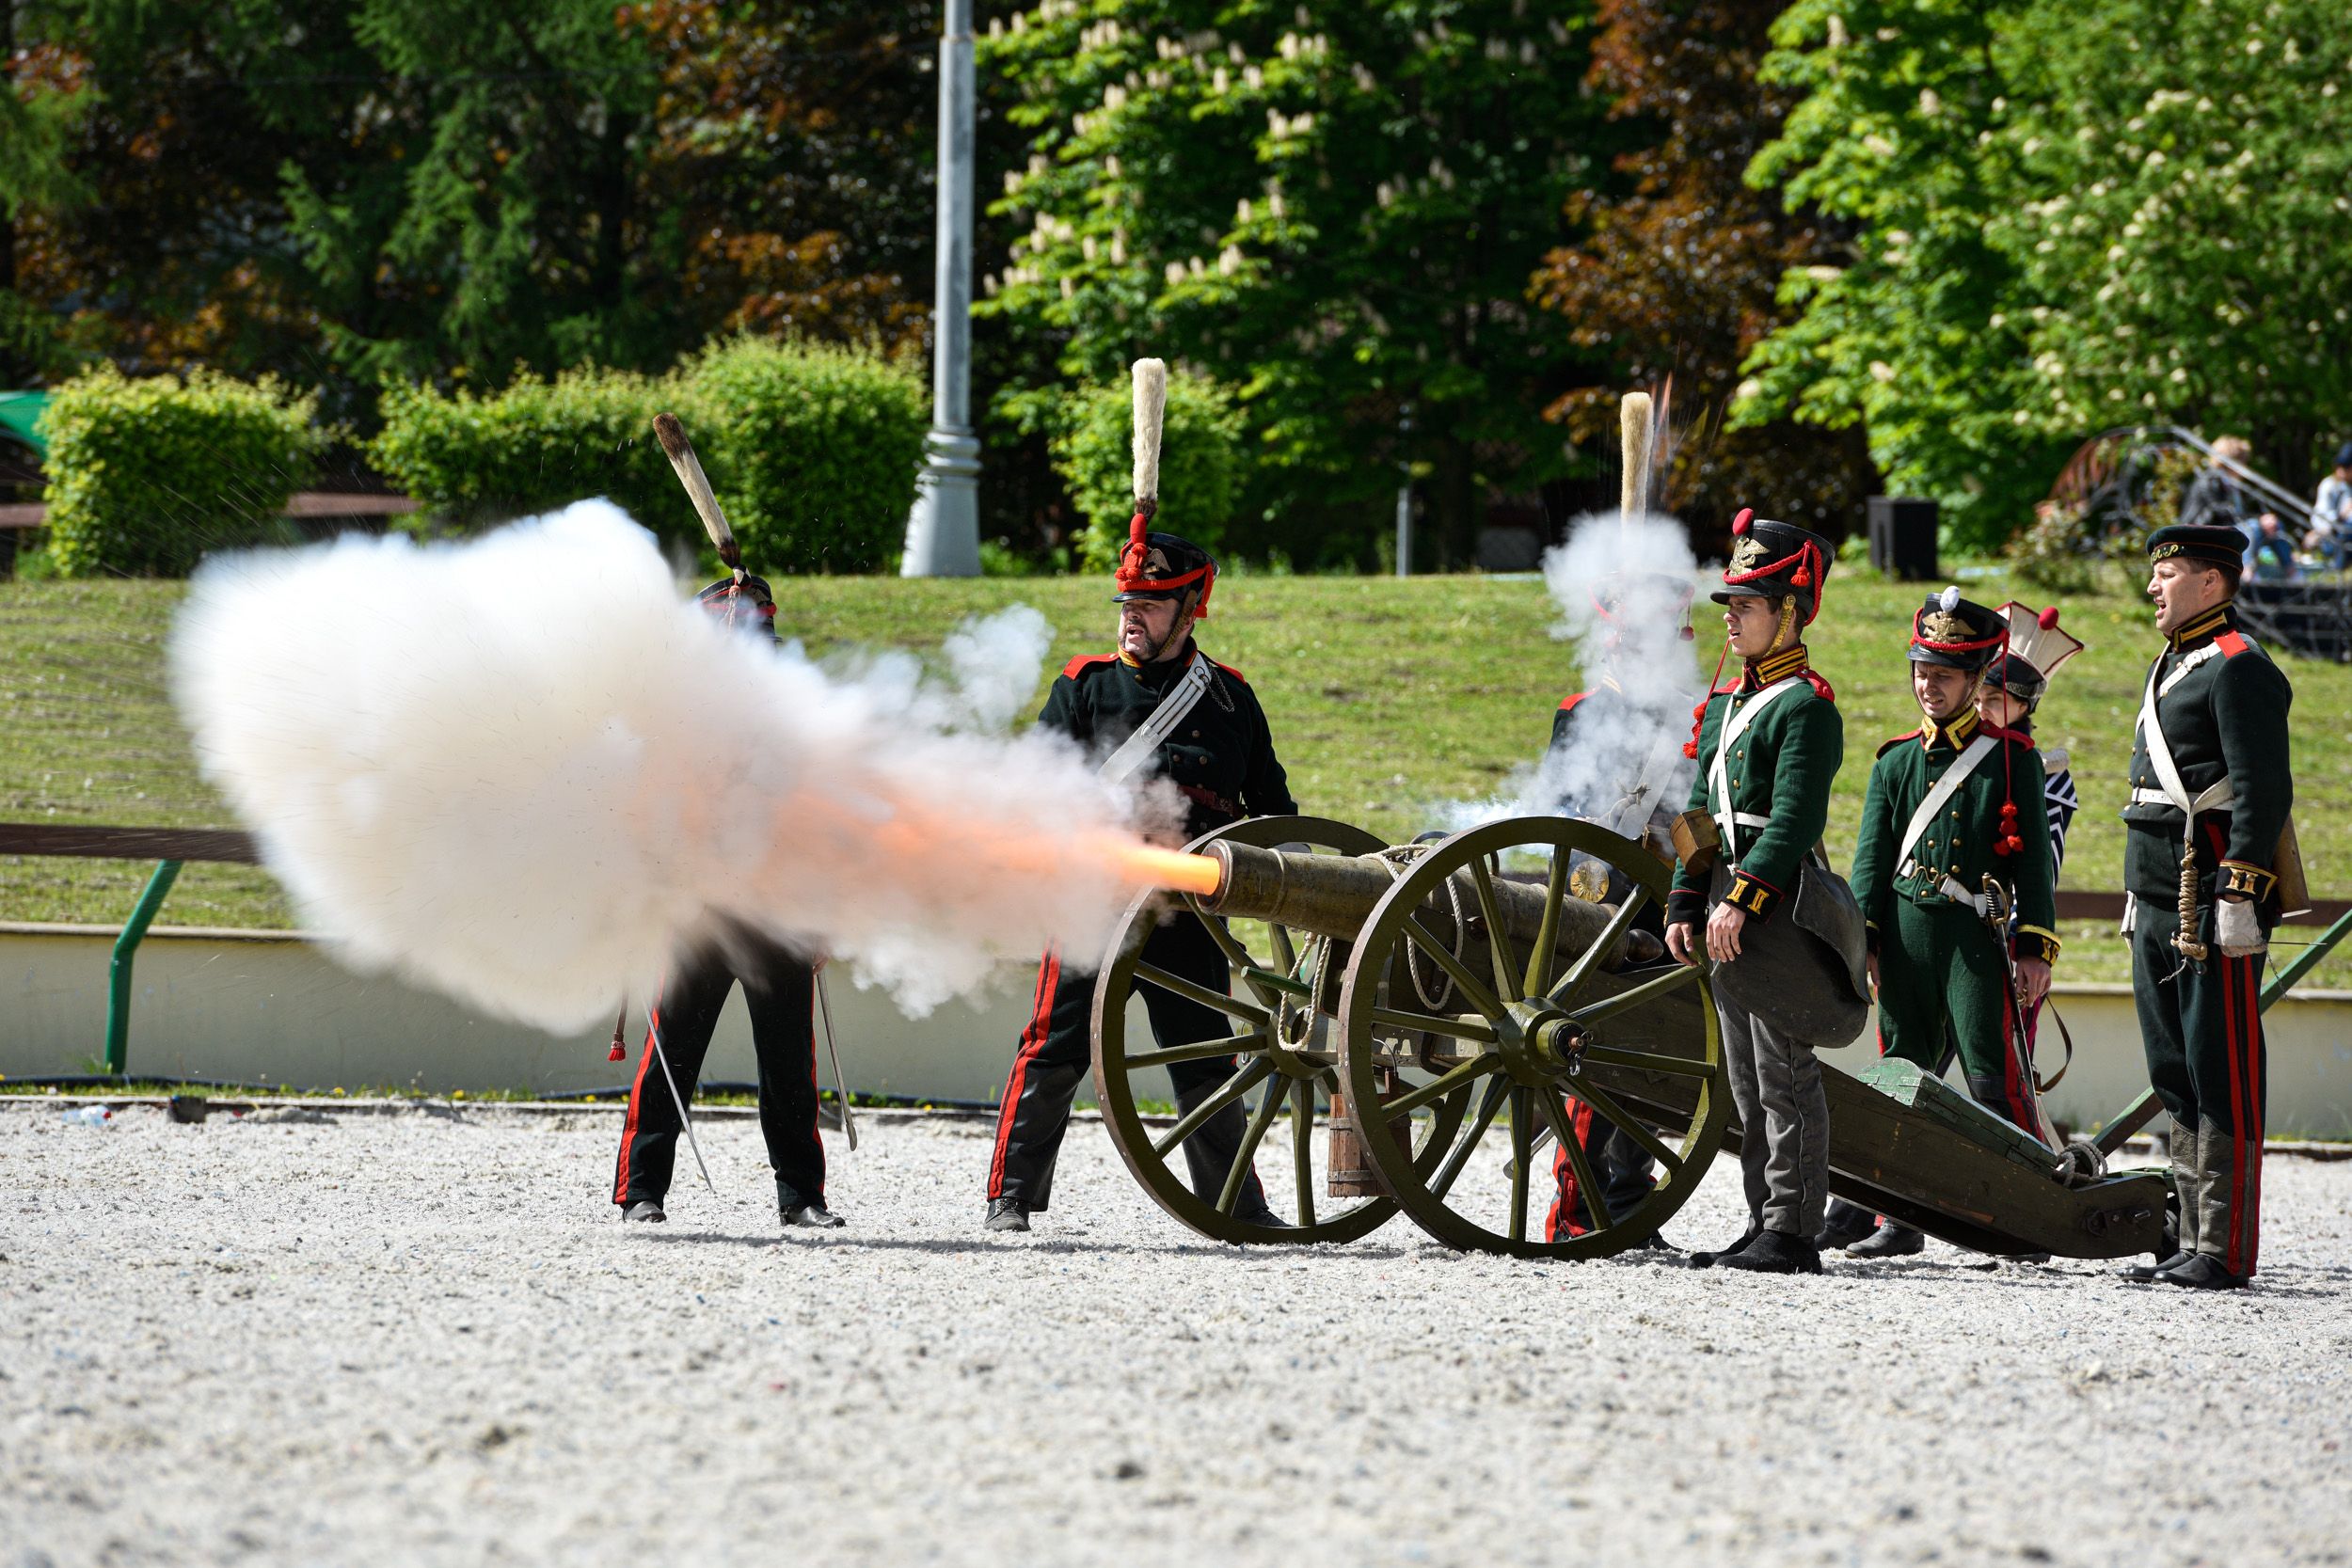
(1172, 869)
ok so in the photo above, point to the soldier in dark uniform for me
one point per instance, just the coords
(779, 991)
(2211, 792)
(1221, 756)
(1634, 730)
(1769, 796)
(1944, 857)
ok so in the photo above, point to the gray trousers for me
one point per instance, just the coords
(1783, 1124)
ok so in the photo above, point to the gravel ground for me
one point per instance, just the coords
(422, 1339)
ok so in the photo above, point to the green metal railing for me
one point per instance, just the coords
(169, 847)
(119, 971)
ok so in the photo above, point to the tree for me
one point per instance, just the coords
(794, 140)
(1677, 273)
(364, 190)
(39, 102)
(2073, 216)
(1334, 210)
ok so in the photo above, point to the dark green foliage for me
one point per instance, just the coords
(472, 460)
(1334, 208)
(146, 475)
(821, 448)
(813, 450)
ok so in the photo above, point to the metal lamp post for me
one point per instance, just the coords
(944, 530)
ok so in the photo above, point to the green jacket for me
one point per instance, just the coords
(1781, 769)
(2225, 716)
(1962, 842)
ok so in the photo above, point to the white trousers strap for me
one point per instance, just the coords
(1946, 787)
(1154, 731)
(2160, 758)
(1957, 891)
(1719, 774)
(2215, 797)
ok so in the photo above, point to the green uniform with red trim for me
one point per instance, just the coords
(1781, 770)
(2223, 706)
(1942, 981)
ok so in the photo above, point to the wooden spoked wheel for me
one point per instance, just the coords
(1538, 1038)
(1282, 1053)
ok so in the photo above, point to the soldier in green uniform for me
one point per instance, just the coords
(1768, 747)
(2207, 837)
(1945, 859)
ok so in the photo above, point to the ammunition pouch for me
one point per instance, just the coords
(1804, 973)
(1698, 843)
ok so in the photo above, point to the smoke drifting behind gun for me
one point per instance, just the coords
(523, 771)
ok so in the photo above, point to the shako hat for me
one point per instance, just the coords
(743, 600)
(1775, 561)
(1156, 564)
(2037, 647)
(2208, 545)
(1957, 633)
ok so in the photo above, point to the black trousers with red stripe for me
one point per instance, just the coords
(2202, 1026)
(1057, 1051)
(779, 990)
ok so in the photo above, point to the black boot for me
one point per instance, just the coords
(1845, 1225)
(2202, 1272)
(1007, 1214)
(646, 1210)
(1891, 1239)
(2145, 1274)
(1775, 1252)
(1747, 1240)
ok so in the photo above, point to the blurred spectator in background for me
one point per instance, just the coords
(2217, 499)
(2271, 558)
(2330, 533)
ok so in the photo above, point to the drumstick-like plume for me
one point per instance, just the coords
(1634, 430)
(671, 432)
(1150, 412)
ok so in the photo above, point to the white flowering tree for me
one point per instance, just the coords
(2075, 214)
(1334, 208)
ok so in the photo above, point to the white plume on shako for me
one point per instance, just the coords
(524, 771)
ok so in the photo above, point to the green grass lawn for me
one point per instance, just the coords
(1386, 697)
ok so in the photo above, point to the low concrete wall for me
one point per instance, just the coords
(270, 1008)
(256, 1007)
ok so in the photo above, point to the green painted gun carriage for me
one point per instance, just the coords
(1425, 1014)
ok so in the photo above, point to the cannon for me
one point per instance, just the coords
(1413, 1007)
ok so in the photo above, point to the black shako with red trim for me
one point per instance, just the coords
(1221, 756)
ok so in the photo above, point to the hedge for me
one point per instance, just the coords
(813, 452)
(146, 475)
(822, 448)
(470, 461)
(1204, 464)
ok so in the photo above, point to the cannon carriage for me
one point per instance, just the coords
(1428, 1015)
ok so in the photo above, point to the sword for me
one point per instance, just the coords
(653, 1030)
(1997, 904)
(833, 1049)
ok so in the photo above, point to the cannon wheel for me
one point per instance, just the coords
(1540, 1028)
(1265, 993)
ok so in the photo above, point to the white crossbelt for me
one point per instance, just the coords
(1719, 773)
(1946, 787)
(1139, 747)
(2174, 793)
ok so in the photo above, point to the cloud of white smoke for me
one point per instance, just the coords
(1623, 587)
(523, 770)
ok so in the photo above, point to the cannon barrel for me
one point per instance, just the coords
(1332, 895)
